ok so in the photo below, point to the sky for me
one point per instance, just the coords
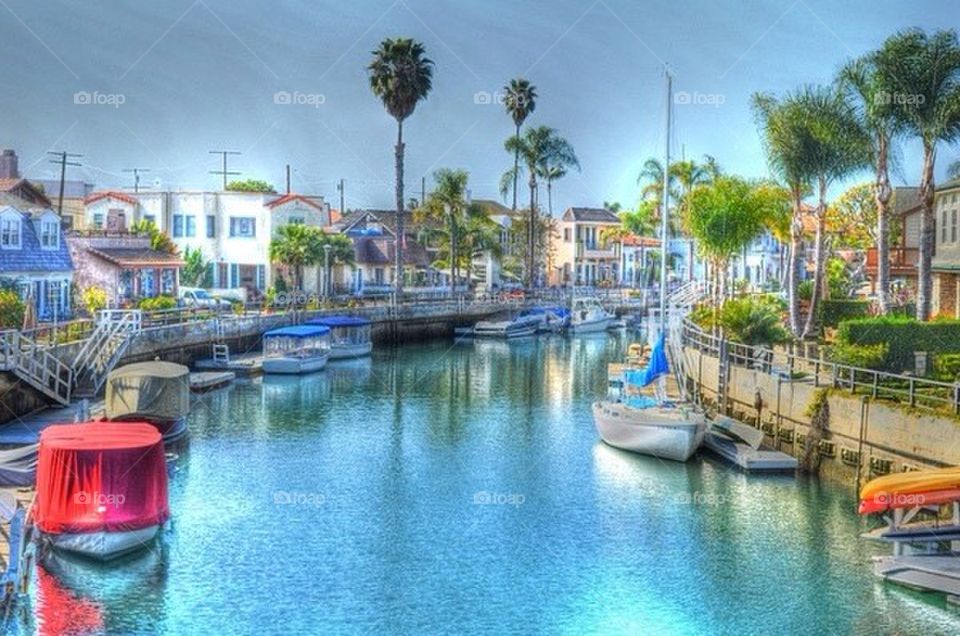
(157, 85)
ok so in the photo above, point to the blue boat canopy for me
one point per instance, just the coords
(298, 331)
(339, 321)
(657, 366)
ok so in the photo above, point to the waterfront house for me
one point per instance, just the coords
(946, 257)
(33, 255)
(582, 258)
(373, 233)
(123, 265)
(636, 254)
(762, 263)
(905, 252)
(233, 230)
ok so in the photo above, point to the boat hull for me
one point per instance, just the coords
(347, 351)
(668, 433)
(293, 366)
(591, 326)
(506, 328)
(104, 546)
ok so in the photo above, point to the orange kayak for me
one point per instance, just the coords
(907, 490)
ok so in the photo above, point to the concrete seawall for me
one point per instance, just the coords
(863, 438)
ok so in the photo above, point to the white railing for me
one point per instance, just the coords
(36, 366)
(105, 346)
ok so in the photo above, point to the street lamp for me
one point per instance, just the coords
(326, 270)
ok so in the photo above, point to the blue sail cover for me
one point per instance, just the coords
(657, 366)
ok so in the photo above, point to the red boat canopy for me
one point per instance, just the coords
(100, 476)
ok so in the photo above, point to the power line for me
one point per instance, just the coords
(224, 172)
(63, 160)
(136, 177)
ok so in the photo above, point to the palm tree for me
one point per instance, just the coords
(341, 252)
(448, 203)
(401, 76)
(520, 100)
(550, 174)
(538, 148)
(953, 170)
(297, 246)
(866, 80)
(925, 71)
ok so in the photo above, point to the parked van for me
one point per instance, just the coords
(197, 297)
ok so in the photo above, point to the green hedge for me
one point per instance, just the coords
(835, 311)
(158, 303)
(903, 336)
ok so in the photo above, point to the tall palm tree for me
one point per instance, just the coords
(925, 72)
(550, 174)
(867, 81)
(953, 170)
(538, 148)
(448, 203)
(400, 75)
(783, 134)
(520, 100)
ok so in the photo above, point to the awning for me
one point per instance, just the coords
(101, 476)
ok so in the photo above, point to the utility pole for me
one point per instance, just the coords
(288, 178)
(340, 185)
(423, 190)
(224, 172)
(64, 159)
(136, 177)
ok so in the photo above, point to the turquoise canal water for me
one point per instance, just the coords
(461, 489)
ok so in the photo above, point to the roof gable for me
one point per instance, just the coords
(110, 194)
(31, 257)
(289, 198)
(590, 215)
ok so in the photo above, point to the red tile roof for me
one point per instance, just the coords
(110, 194)
(641, 241)
(287, 198)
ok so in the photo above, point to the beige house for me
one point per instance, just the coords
(581, 257)
(946, 257)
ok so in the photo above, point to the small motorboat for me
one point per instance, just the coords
(519, 326)
(553, 319)
(156, 392)
(648, 425)
(296, 350)
(589, 316)
(349, 336)
(101, 487)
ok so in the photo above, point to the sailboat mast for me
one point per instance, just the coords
(664, 213)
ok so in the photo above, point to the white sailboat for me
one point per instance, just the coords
(652, 425)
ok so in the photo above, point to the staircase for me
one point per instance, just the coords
(221, 350)
(679, 304)
(103, 349)
(35, 365)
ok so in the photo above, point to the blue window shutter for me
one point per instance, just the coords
(234, 275)
(261, 276)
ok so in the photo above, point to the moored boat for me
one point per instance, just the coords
(101, 487)
(553, 318)
(156, 392)
(297, 349)
(588, 316)
(515, 327)
(349, 335)
(649, 425)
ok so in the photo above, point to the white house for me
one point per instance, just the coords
(233, 230)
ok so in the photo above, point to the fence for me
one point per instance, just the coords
(921, 393)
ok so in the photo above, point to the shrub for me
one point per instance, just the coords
(863, 356)
(11, 309)
(904, 336)
(753, 321)
(158, 303)
(835, 311)
(947, 366)
(93, 299)
(805, 290)
(702, 316)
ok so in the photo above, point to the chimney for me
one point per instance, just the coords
(8, 165)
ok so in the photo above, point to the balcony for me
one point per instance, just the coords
(903, 261)
(595, 251)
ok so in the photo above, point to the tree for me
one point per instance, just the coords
(448, 203)
(520, 100)
(539, 148)
(251, 185)
(924, 70)
(642, 221)
(550, 174)
(196, 270)
(953, 170)
(727, 214)
(158, 240)
(400, 75)
(852, 220)
(297, 246)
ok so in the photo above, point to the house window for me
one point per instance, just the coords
(566, 235)
(98, 221)
(378, 276)
(243, 226)
(296, 220)
(150, 218)
(53, 298)
(211, 226)
(177, 226)
(10, 233)
(943, 226)
(191, 226)
(50, 234)
(953, 226)
(168, 278)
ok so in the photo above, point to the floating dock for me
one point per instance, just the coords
(752, 460)
(209, 380)
(923, 573)
(245, 365)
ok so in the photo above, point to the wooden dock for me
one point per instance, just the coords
(244, 365)
(208, 380)
(926, 573)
